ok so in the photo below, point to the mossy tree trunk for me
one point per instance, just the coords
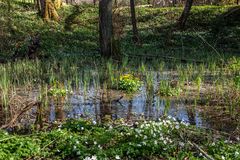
(48, 9)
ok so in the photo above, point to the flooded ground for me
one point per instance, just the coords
(112, 105)
(83, 94)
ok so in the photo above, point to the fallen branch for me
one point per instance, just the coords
(20, 113)
(200, 150)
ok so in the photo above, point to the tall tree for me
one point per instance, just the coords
(183, 19)
(134, 22)
(105, 27)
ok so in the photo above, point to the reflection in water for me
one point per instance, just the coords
(101, 106)
(129, 112)
(144, 104)
(105, 107)
(191, 115)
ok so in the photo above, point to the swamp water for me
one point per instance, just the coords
(110, 105)
(89, 100)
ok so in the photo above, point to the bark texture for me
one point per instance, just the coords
(105, 27)
(48, 9)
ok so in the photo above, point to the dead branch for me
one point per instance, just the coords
(20, 113)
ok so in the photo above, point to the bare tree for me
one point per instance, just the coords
(105, 27)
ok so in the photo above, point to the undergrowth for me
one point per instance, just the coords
(82, 139)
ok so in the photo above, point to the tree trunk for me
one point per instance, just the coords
(134, 22)
(183, 19)
(105, 27)
(174, 2)
(37, 4)
(48, 9)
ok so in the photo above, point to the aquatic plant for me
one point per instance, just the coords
(58, 90)
(166, 89)
(234, 65)
(237, 82)
(198, 82)
(129, 83)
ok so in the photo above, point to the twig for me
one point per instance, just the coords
(117, 100)
(200, 150)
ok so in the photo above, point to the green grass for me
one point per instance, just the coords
(158, 33)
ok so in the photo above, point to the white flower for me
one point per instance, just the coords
(99, 146)
(139, 145)
(94, 157)
(181, 144)
(223, 158)
(74, 147)
(138, 131)
(177, 127)
(94, 142)
(236, 154)
(117, 157)
(77, 142)
(155, 142)
(154, 135)
(94, 122)
(82, 128)
(165, 142)
(91, 158)
(87, 158)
